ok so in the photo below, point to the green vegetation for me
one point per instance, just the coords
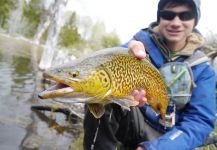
(31, 13)
(94, 38)
(77, 144)
(98, 38)
(212, 146)
(69, 36)
(110, 40)
(5, 9)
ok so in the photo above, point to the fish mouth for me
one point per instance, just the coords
(60, 88)
(56, 90)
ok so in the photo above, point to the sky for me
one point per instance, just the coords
(126, 17)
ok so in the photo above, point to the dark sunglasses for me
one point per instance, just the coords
(170, 15)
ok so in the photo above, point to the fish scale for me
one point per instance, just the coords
(109, 76)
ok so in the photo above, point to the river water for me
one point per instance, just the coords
(20, 126)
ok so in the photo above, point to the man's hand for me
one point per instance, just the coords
(140, 148)
(137, 49)
(140, 96)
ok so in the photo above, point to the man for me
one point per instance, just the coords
(173, 38)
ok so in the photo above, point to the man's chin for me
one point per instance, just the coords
(174, 39)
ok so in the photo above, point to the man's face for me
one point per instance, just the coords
(176, 30)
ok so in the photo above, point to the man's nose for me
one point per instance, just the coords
(176, 21)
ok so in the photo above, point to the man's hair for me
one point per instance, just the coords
(193, 4)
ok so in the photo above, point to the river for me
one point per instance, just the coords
(20, 126)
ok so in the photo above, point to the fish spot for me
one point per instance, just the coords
(102, 73)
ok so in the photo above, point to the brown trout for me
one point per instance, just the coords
(108, 76)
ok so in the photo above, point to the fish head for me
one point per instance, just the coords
(82, 79)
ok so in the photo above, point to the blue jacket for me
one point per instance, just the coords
(195, 123)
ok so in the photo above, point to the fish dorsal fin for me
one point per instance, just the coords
(125, 102)
(97, 110)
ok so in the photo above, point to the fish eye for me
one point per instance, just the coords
(74, 74)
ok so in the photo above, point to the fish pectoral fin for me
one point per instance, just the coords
(97, 110)
(125, 102)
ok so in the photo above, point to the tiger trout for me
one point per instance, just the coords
(107, 76)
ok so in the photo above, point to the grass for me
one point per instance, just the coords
(212, 146)
(78, 143)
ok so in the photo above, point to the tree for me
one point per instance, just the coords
(110, 40)
(99, 38)
(69, 35)
(97, 32)
(210, 46)
(5, 8)
(31, 13)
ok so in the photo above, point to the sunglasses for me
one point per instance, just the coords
(170, 15)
